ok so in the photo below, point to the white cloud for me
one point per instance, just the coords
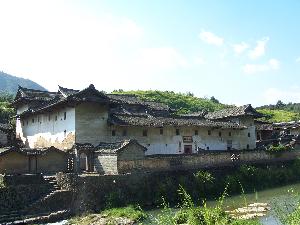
(199, 61)
(211, 38)
(272, 95)
(53, 42)
(260, 48)
(159, 58)
(240, 48)
(272, 64)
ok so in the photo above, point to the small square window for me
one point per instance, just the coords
(220, 134)
(209, 132)
(161, 131)
(113, 133)
(207, 148)
(65, 115)
(196, 132)
(229, 134)
(32, 120)
(248, 147)
(145, 133)
(177, 132)
(249, 135)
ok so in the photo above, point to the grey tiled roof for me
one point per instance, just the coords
(151, 121)
(44, 100)
(30, 151)
(246, 110)
(114, 147)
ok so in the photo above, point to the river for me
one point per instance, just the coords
(273, 196)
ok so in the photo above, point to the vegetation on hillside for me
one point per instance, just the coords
(279, 115)
(6, 111)
(281, 112)
(182, 103)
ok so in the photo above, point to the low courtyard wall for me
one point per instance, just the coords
(202, 160)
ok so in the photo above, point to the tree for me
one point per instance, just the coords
(214, 100)
(279, 104)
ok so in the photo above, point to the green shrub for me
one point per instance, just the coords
(278, 149)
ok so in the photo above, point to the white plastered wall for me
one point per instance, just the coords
(38, 131)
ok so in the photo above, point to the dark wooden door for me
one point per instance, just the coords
(188, 149)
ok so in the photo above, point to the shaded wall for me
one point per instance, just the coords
(15, 162)
(3, 138)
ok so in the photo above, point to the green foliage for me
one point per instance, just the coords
(191, 214)
(280, 115)
(293, 218)
(134, 213)
(204, 177)
(182, 103)
(6, 111)
(278, 149)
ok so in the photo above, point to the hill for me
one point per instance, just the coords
(281, 112)
(182, 103)
(9, 83)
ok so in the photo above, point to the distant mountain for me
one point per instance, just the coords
(9, 83)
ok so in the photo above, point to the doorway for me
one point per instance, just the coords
(188, 149)
(83, 161)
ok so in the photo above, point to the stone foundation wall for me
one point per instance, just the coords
(19, 191)
(201, 160)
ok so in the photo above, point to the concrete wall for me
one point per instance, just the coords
(3, 138)
(48, 129)
(91, 123)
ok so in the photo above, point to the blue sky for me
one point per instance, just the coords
(238, 51)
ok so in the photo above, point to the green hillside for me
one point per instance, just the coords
(9, 83)
(183, 103)
(281, 112)
(279, 115)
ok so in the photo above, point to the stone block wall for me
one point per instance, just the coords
(201, 160)
(105, 164)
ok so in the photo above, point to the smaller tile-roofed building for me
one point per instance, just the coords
(246, 110)
(115, 147)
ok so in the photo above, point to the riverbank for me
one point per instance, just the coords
(276, 198)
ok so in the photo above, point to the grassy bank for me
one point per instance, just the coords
(187, 212)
